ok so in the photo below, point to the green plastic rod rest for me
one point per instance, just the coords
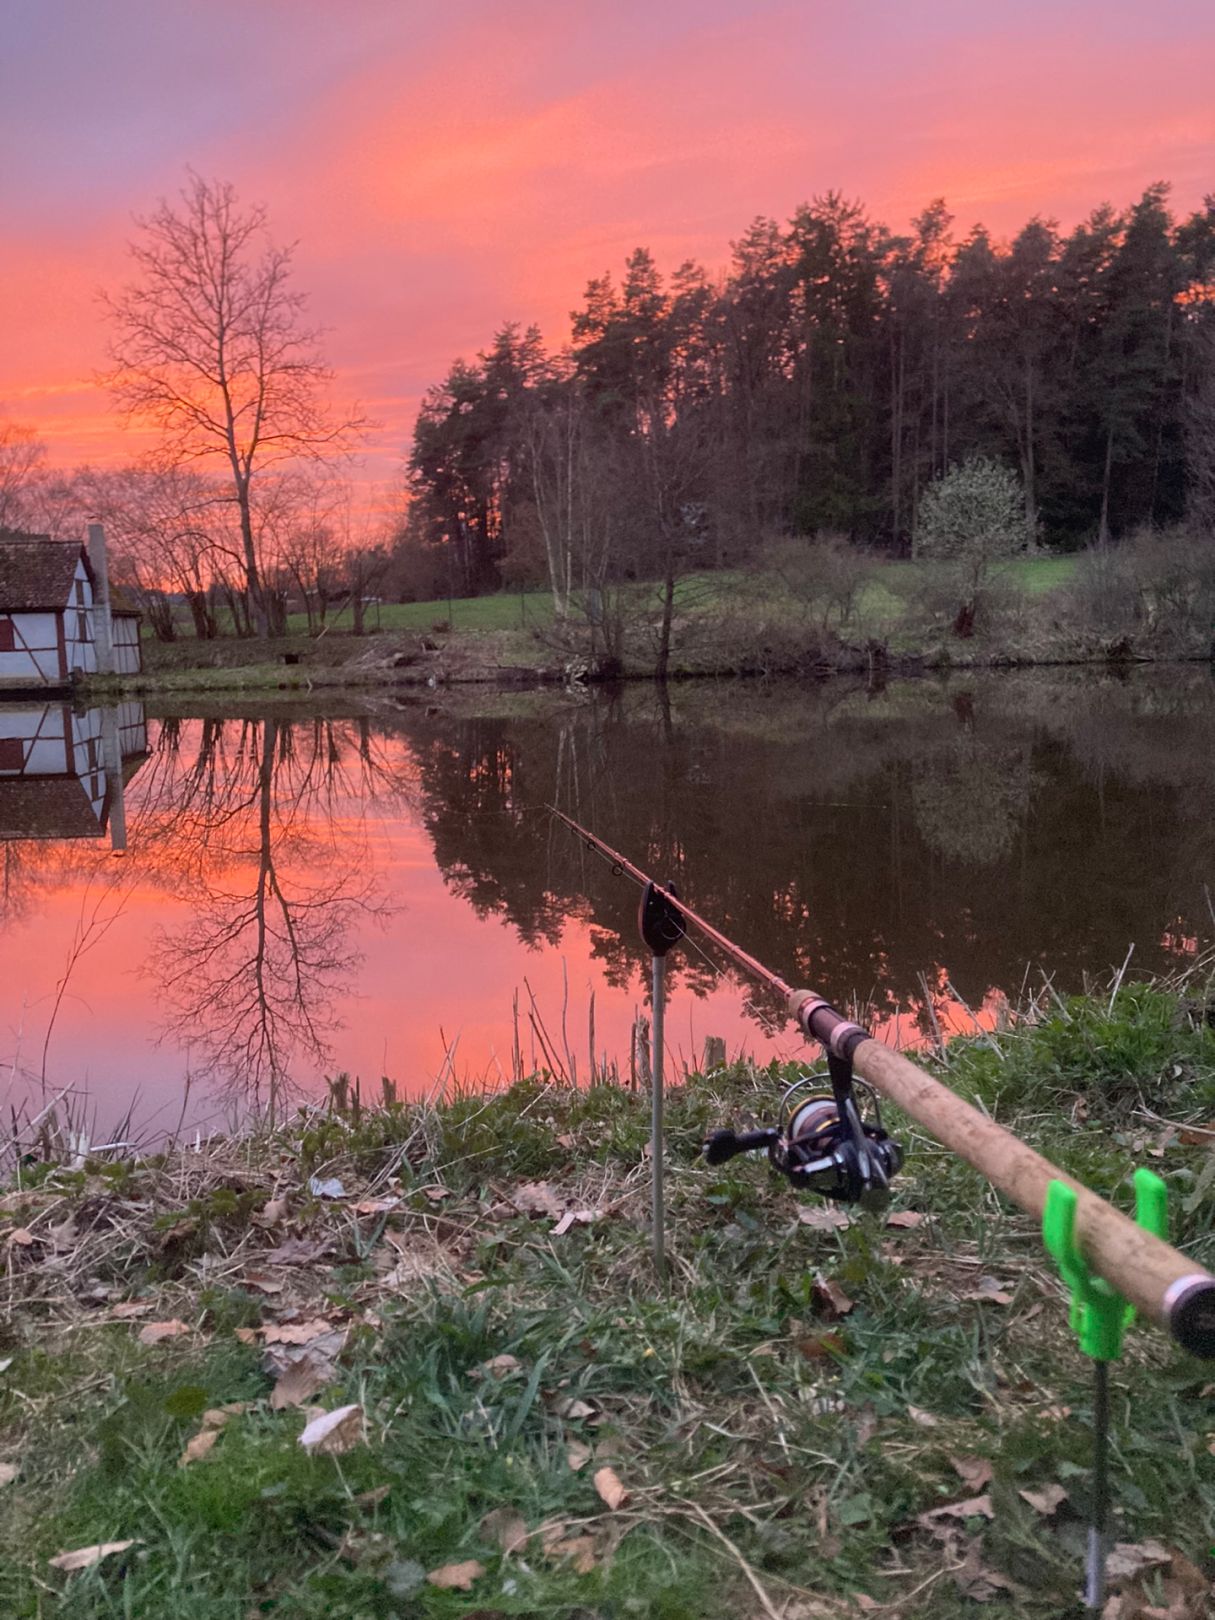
(1099, 1315)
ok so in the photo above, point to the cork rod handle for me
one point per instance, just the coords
(1160, 1282)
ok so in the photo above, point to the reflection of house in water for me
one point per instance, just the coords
(63, 773)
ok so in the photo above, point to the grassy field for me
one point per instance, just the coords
(884, 598)
(506, 611)
(884, 1415)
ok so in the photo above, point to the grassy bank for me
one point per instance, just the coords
(726, 623)
(814, 1419)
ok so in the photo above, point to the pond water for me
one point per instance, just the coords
(374, 885)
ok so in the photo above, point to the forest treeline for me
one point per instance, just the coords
(820, 385)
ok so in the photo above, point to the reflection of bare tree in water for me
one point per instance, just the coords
(277, 878)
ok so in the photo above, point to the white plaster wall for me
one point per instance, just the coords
(36, 656)
(80, 654)
(127, 658)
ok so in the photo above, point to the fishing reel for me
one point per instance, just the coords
(827, 1143)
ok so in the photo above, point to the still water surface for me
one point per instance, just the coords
(374, 887)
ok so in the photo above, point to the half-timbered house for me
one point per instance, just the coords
(48, 613)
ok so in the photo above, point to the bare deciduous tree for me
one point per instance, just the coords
(21, 456)
(210, 345)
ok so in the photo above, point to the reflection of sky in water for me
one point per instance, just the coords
(857, 842)
(433, 977)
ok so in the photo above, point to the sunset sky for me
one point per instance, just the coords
(447, 167)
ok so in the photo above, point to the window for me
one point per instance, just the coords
(8, 637)
(82, 627)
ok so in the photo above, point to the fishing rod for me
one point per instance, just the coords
(844, 1152)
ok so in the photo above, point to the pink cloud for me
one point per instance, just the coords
(443, 176)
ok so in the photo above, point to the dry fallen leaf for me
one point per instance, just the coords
(216, 1416)
(457, 1577)
(973, 1471)
(831, 1298)
(972, 1507)
(271, 1213)
(507, 1527)
(989, 1292)
(297, 1252)
(576, 1550)
(926, 1420)
(198, 1446)
(1045, 1501)
(128, 1308)
(577, 1455)
(573, 1409)
(278, 1359)
(22, 1237)
(905, 1220)
(376, 1206)
(246, 1335)
(580, 1217)
(155, 1332)
(496, 1367)
(607, 1483)
(8, 1472)
(296, 1332)
(302, 1380)
(538, 1198)
(263, 1283)
(1129, 1558)
(213, 1420)
(824, 1218)
(333, 1433)
(86, 1557)
(977, 1580)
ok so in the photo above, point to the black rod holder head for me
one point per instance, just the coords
(661, 922)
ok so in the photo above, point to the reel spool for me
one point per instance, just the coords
(826, 1144)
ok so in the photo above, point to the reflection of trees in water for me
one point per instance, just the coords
(969, 803)
(852, 844)
(263, 820)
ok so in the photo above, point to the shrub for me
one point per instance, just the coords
(823, 577)
(971, 519)
(1155, 590)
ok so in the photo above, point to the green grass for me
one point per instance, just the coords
(883, 598)
(508, 610)
(752, 1431)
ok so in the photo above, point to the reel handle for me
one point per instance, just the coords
(723, 1145)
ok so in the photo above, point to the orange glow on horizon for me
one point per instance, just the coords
(445, 175)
